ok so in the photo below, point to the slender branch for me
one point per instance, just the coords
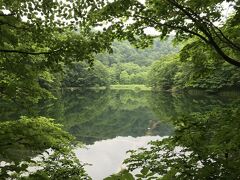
(228, 41)
(222, 54)
(188, 31)
(6, 15)
(224, 38)
(189, 12)
(205, 21)
(25, 52)
(203, 27)
(175, 27)
(192, 15)
(11, 25)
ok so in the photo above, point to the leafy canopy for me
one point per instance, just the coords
(128, 19)
(38, 38)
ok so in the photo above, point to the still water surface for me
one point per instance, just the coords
(112, 122)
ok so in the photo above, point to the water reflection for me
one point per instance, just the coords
(106, 156)
(92, 116)
(209, 144)
(115, 114)
(97, 118)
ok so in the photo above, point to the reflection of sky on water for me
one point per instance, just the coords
(107, 156)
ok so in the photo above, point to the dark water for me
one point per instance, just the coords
(112, 122)
(95, 116)
(92, 116)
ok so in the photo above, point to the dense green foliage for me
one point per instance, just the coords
(46, 44)
(162, 72)
(125, 65)
(194, 68)
(124, 52)
(129, 65)
(129, 19)
(35, 137)
(81, 75)
(58, 166)
(23, 140)
(38, 40)
(193, 152)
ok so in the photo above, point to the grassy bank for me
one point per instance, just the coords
(134, 87)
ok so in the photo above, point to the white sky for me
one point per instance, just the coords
(227, 10)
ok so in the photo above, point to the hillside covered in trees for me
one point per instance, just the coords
(129, 65)
(125, 65)
(194, 68)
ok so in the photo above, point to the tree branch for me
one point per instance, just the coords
(203, 27)
(187, 11)
(25, 52)
(13, 26)
(6, 15)
(228, 41)
(222, 54)
(175, 27)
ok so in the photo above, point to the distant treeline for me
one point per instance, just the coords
(126, 65)
(161, 66)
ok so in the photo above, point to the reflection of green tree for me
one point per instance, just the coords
(81, 106)
(162, 104)
(205, 146)
(92, 116)
(51, 108)
(128, 100)
(200, 102)
(167, 106)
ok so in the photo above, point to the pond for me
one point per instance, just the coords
(111, 122)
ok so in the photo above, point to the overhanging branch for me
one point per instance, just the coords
(25, 52)
(174, 27)
(6, 15)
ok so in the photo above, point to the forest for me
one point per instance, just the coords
(76, 73)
